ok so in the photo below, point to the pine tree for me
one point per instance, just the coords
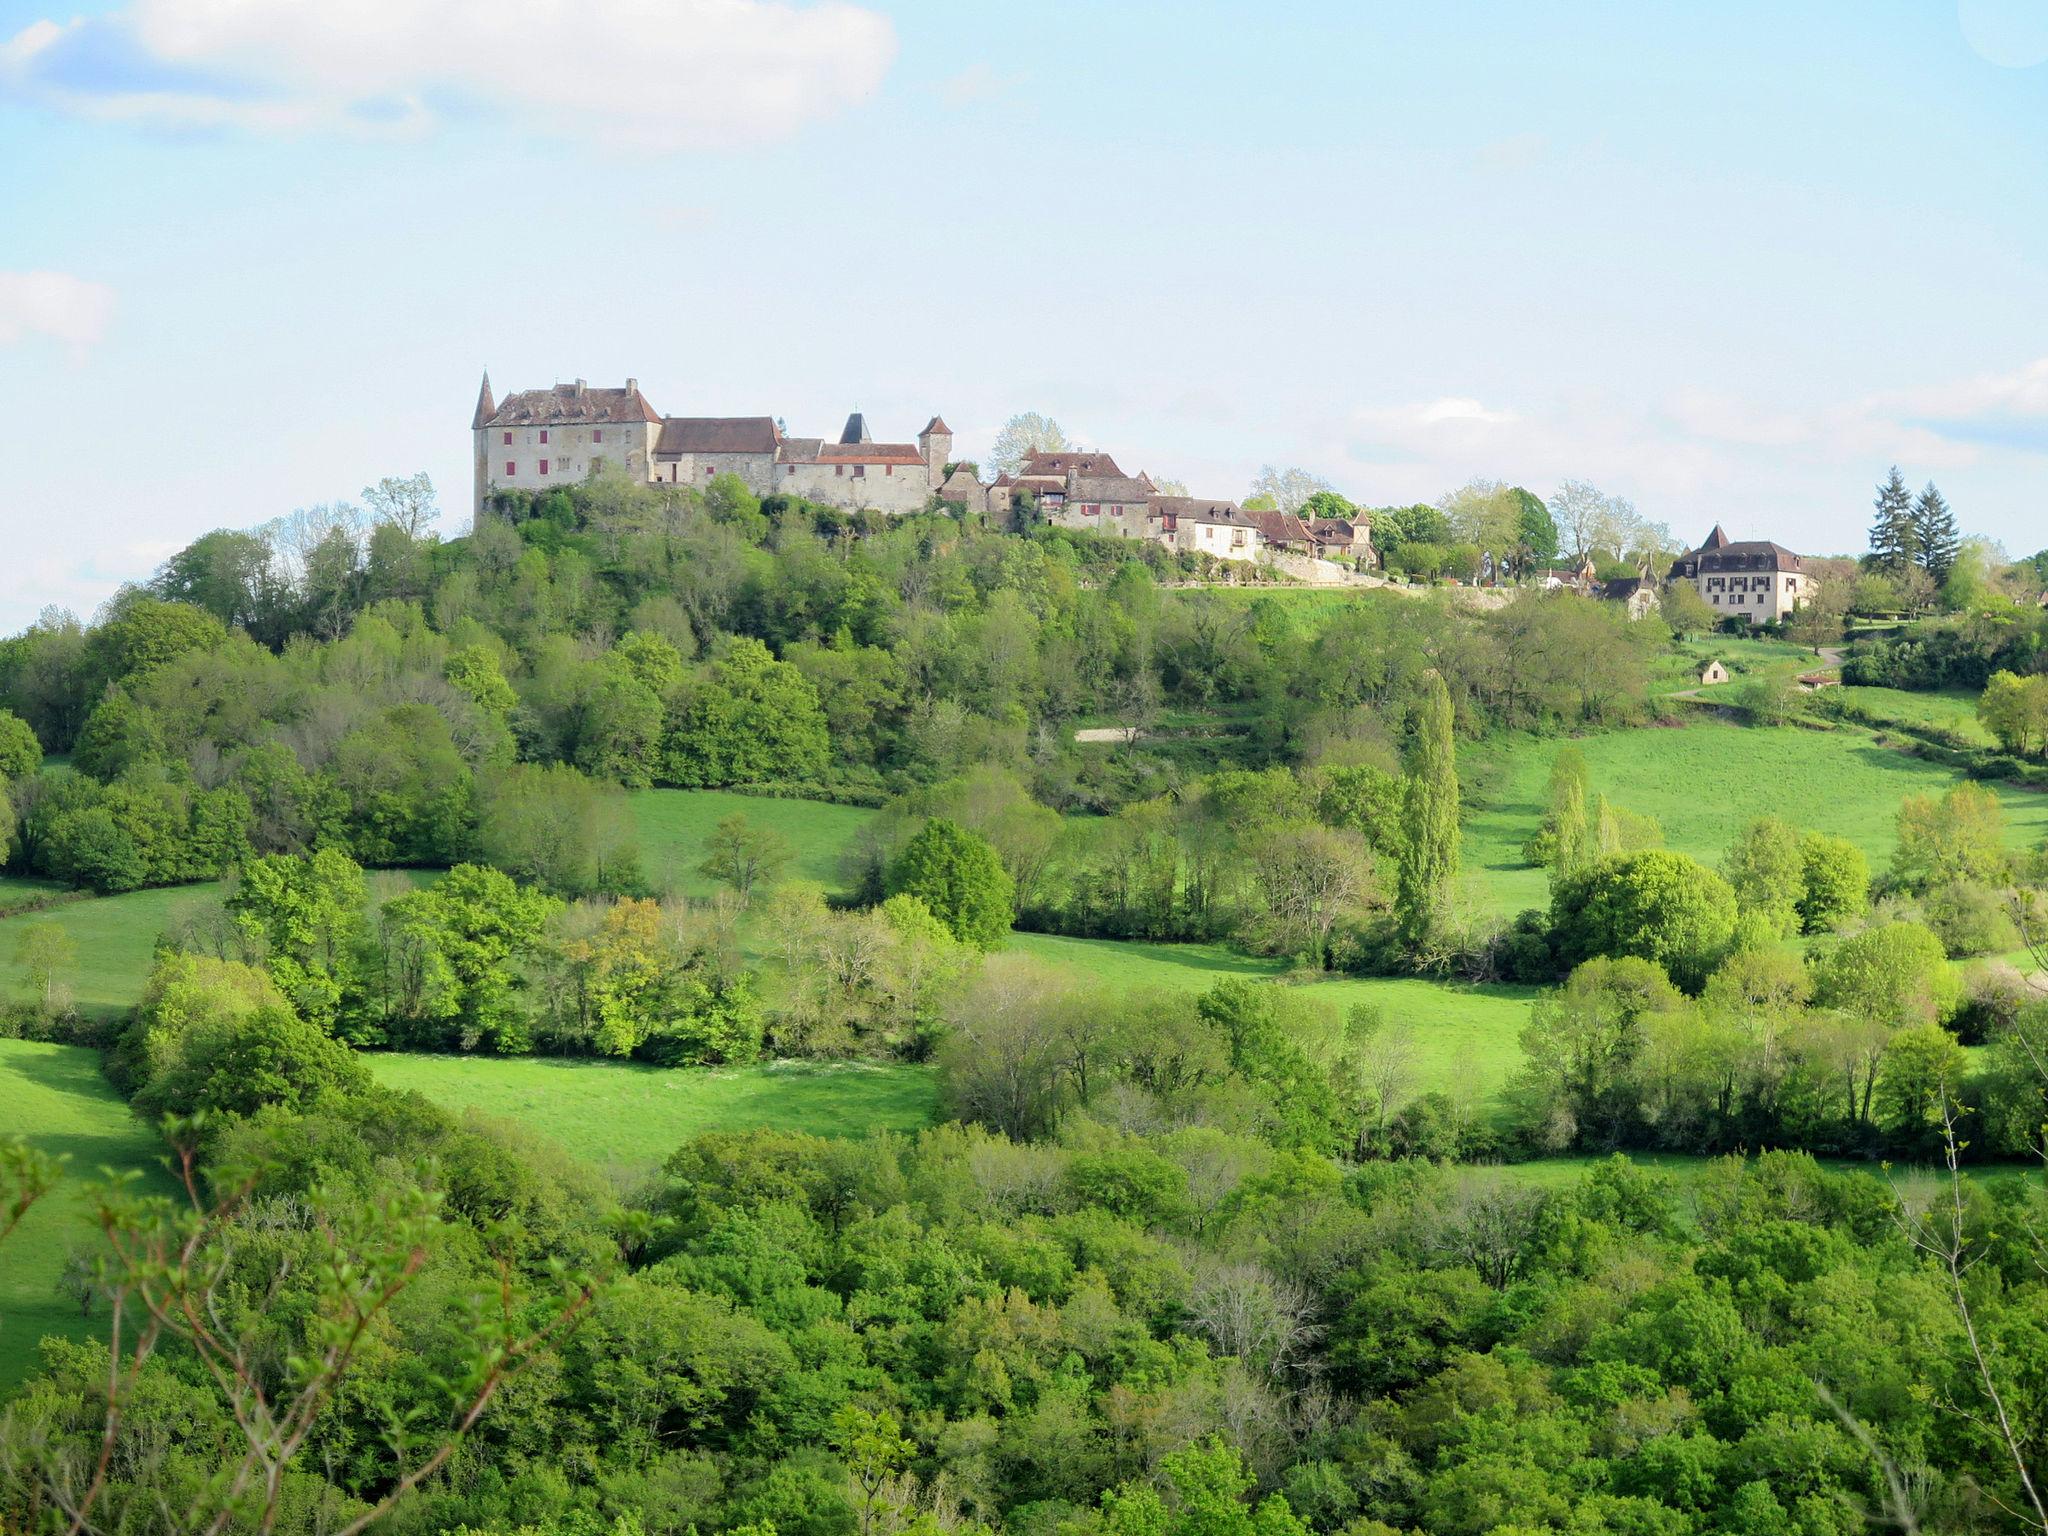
(1936, 539)
(1429, 857)
(1892, 544)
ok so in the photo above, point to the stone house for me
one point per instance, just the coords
(1636, 594)
(1342, 538)
(1713, 672)
(540, 438)
(1750, 579)
(1284, 530)
(1219, 528)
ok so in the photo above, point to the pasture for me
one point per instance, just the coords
(114, 937)
(626, 1118)
(1702, 782)
(1466, 1040)
(1950, 709)
(674, 825)
(55, 1096)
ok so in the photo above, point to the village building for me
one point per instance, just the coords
(539, 439)
(1342, 538)
(1713, 672)
(1582, 578)
(1198, 526)
(1636, 594)
(1751, 579)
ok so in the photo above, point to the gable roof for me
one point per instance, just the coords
(935, 425)
(1742, 555)
(1060, 462)
(1118, 488)
(568, 405)
(717, 434)
(1198, 509)
(1280, 527)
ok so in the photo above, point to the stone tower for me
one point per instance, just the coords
(936, 442)
(486, 407)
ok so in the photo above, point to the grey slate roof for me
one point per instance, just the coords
(569, 405)
(1116, 488)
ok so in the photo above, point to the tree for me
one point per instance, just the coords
(1766, 868)
(1936, 539)
(1580, 1048)
(741, 855)
(1594, 521)
(1960, 836)
(1573, 839)
(1023, 435)
(305, 915)
(960, 878)
(20, 753)
(1894, 543)
(1429, 854)
(1536, 530)
(1313, 877)
(1892, 974)
(1290, 488)
(1685, 611)
(754, 720)
(2014, 709)
(1834, 881)
(46, 954)
(406, 504)
(1655, 904)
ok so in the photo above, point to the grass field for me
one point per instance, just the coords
(16, 889)
(1703, 781)
(1953, 709)
(674, 824)
(115, 936)
(627, 1118)
(1467, 1040)
(54, 1095)
(1678, 669)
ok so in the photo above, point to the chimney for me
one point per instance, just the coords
(632, 386)
(581, 385)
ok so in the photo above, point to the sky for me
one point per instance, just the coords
(1729, 261)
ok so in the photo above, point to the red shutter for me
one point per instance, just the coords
(511, 469)
(508, 439)
(597, 434)
(543, 462)
(543, 434)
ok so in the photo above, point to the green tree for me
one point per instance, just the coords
(960, 878)
(1894, 542)
(20, 753)
(753, 720)
(1936, 539)
(1429, 854)
(1655, 904)
(1766, 868)
(1919, 1076)
(1834, 881)
(1207, 1493)
(1894, 974)
(306, 915)
(1573, 838)
(741, 855)
(1959, 836)
(1685, 611)
(475, 927)
(46, 954)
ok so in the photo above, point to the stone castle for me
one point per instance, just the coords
(541, 438)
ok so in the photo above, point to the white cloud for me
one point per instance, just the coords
(657, 74)
(55, 305)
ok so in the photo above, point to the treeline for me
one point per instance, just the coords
(1160, 1311)
(414, 702)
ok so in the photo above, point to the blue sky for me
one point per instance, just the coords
(1731, 261)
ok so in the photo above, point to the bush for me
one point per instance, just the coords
(1654, 904)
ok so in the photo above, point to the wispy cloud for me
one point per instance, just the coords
(55, 305)
(659, 74)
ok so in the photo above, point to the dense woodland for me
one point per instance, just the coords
(1177, 1264)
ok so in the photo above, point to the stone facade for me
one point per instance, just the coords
(541, 438)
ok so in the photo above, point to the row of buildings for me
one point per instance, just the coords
(538, 439)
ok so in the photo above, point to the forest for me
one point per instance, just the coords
(1170, 1260)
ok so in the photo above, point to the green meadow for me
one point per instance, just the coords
(114, 935)
(675, 824)
(1702, 782)
(55, 1096)
(627, 1118)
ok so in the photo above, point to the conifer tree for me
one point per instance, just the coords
(1429, 858)
(1893, 547)
(1936, 539)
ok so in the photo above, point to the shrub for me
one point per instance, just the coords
(1654, 904)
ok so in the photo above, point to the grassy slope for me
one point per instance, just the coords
(1678, 669)
(1703, 781)
(54, 1095)
(674, 824)
(1467, 1039)
(1953, 709)
(115, 936)
(627, 1118)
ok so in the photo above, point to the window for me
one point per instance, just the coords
(543, 434)
(511, 469)
(860, 471)
(838, 469)
(508, 439)
(792, 469)
(888, 469)
(709, 471)
(543, 462)
(597, 434)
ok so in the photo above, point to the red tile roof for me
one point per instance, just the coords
(572, 405)
(717, 434)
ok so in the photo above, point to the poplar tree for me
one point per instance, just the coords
(1569, 822)
(1936, 539)
(1429, 857)
(1893, 546)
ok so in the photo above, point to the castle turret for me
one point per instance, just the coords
(486, 408)
(936, 443)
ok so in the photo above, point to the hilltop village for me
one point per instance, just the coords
(540, 439)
